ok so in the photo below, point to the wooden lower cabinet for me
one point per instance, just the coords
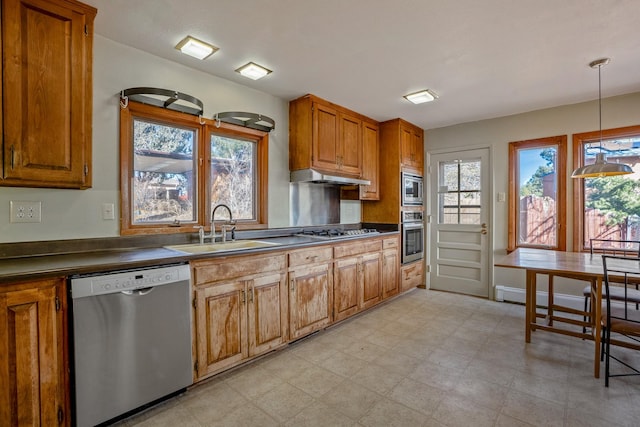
(357, 277)
(390, 267)
(238, 318)
(33, 355)
(412, 275)
(310, 290)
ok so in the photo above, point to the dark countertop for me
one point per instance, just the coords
(25, 268)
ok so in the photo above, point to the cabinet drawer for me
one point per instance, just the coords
(356, 248)
(390, 243)
(206, 271)
(412, 275)
(310, 256)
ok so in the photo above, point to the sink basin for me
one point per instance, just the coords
(238, 245)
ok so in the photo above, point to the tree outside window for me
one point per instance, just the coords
(607, 207)
(175, 167)
(537, 193)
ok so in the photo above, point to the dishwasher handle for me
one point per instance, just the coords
(140, 292)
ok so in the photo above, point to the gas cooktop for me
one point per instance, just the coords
(336, 233)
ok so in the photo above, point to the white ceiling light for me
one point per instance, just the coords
(601, 168)
(196, 48)
(422, 96)
(253, 71)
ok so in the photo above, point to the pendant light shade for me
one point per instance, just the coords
(601, 167)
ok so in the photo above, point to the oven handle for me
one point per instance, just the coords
(413, 225)
(140, 292)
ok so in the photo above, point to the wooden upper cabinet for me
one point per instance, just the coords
(47, 93)
(412, 147)
(350, 145)
(33, 364)
(324, 136)
(370, 161)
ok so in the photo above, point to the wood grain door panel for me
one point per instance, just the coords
(221, 325)
(267, 313)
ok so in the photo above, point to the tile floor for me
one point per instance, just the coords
(426, 358)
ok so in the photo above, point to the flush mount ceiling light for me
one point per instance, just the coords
(422, 96)
(601, 167)
(253, 71)
(196, 48)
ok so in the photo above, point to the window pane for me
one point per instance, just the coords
(537, 188)
(233, 175)
(470, 207)
(459, 192)
(163, 173)
(470, 176)
(612, 204)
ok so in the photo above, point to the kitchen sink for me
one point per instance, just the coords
(237, 245)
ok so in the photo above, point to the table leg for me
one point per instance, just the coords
(550, 301)
(596, 312)
(530, 303)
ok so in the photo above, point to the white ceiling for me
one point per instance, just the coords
(484, 58)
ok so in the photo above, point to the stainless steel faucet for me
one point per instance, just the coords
(231, 223)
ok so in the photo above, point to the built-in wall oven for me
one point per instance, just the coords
(411, 189)
(412, 236)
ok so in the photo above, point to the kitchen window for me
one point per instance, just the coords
(608, 207)
(167, 187)
(537, 195)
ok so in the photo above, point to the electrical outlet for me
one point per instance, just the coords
(26, 211)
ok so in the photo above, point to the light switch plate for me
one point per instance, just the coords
(107, 211)
(26, 211)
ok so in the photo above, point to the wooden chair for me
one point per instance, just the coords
(620, 318)
(624, 248)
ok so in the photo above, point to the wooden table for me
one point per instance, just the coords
(573, 265)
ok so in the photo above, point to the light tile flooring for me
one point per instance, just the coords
(425, 358)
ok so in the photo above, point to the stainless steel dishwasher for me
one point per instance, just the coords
(131, 340)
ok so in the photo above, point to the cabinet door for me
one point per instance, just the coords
(390, 273)
(221, 326)
(267, 313)
(32, 350)
(370, 161)
(310, 299)
(418, 151)
(371, 271)
(406, 146)
(47, 92)
(350, 143)
(325, 137)
(346, 288)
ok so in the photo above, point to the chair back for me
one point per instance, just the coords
(629, 248)
(623, 271)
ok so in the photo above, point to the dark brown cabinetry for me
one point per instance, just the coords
(46, 93)
(33, 352)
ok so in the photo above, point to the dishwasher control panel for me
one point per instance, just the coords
(114, 282)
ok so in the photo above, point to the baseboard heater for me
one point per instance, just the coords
(509, 294)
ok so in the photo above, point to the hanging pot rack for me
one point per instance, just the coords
(144, 95)
(249, 120)
(192, 105)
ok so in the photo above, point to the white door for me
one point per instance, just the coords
(459, 219)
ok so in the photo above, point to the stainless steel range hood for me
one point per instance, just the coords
(312, 175)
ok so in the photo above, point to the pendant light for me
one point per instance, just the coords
(601, 167)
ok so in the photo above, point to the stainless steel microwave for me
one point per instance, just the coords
(411, 190)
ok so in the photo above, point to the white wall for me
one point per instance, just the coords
(72, 214)
(497, 133)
